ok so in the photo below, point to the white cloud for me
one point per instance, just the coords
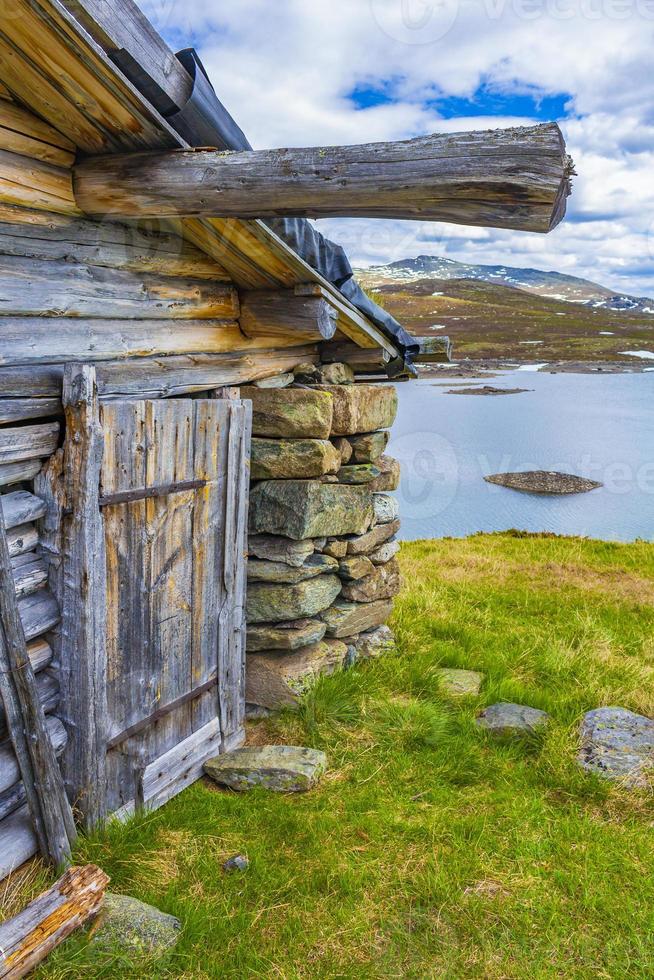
(285, 70)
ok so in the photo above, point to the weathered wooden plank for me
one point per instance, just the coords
(231, 655)
(21, 507)
(517, 178)
(48, 693)
(9, 770)
(211, 441)
(30, 937)
(25, 721)
(34, 287)
(39, 612)
(21, 539)
(278, 313)
(35, 184)
(24, 133)
(181, 766)
(137, 247)
(121, 25)
(43, 340)
(83, 629)
(28, 442)
(18, 409)
(29, 572)
(360, 359)
(11, 473)
(19, 842)
(129, 689)
(76, 89)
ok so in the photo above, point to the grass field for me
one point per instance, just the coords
(429, 850)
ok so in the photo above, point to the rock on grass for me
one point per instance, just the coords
(512, 719)
(280, 768)
(129, 926)
(618, 744)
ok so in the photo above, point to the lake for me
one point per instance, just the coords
(597, 426)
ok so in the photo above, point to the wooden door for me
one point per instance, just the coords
(172, 500)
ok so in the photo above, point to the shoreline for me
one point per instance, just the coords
(489, 367)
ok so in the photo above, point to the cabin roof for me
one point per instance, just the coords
(57, 58)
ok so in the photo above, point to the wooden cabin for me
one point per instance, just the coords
(127, 330)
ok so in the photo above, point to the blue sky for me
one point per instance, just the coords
(311, 72)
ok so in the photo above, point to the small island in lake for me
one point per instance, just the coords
(487, 390)
(543, 481)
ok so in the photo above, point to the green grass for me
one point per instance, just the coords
(429, 850)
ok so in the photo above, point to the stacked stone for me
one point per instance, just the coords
(322, 571)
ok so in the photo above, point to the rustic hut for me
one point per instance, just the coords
(140, 289)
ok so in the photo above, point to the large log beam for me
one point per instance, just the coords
(505, 178)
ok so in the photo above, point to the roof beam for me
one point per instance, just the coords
(506, 178)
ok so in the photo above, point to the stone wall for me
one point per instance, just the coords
(322, 571)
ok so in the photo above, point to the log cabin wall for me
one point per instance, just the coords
(156, 316)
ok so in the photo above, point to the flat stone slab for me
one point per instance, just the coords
(362, 408)
(386, 508)
(373, 644)
(301, 509)
(389, 478)
(385, 552)
(278, 680)
(293, 413)
(284, 636)
(364, 544)
(358, 473)
(512, 719)
(619, 745)
(543, 481)
(285, 459)
(460, 683)
(368, 448)
(276, 548)
(280, 768)
(350, 618)
(262, 570)
(269, 602)
(383, 583)
(130, 926)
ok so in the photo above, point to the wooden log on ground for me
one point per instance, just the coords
(506, 178)
(83, 653)
(280, 313)
(433, 350)
(25, 720)
(28, 441)
(28, 938)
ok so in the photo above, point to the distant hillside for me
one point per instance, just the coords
(489, 320)
(550, 285)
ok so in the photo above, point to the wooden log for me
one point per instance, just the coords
(433, 350)
(28, 938)
(21, 507)
(362, 360)
(47, 689)
(12, 799)
(11, 473)
(18, 409)
(39, 613)
(24, 133)
(35, 184)
(19, 842)
(280, 313)
(21, 539)
(9, 770)
(142, 247)
(120, 27)
(507, 178)
(29, 572)
(37, 287)
(25, 720)
(28, 442)
(43, 340)
(83, 628)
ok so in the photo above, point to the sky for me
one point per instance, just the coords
(320, 72)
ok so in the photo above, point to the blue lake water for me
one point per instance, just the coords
(598, 426)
